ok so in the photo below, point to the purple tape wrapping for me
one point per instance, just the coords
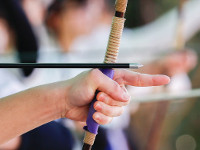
(92, 126)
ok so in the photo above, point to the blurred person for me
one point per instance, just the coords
(37, 19)
(19, 40)
(77, 9)
(24, 41)
(9, 82)
(66, 21)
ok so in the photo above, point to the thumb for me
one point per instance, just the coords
(109, 86)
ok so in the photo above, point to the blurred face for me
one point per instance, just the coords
(4, 36)
(73, 21)
(79, 20)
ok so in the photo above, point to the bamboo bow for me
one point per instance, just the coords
(179, 38)
(110, 57)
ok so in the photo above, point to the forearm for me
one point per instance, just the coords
(27, 110)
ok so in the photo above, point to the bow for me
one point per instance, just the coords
(110, 57)
(179, 39)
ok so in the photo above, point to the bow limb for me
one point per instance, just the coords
(110, 57)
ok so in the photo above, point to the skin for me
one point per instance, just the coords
(172, 64)
(6, 38)
(36, 6)
(73, 21)
(29, 109)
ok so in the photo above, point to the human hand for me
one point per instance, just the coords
(31, 108)
(179, 62)
(113, 96)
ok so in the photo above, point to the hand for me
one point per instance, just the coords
(31, 108)
(179, 62)
(111, 99)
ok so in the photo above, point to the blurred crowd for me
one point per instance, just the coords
(77, 31)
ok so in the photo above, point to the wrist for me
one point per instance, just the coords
(57, 94)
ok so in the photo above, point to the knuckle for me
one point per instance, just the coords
(114, 111)
(108, 111)
(106, 120)
(102, 119)
(103, 97)
(106, 100)
(94, 72)
(95, 75)
(138, 80)
(116, 87)
(111, 102)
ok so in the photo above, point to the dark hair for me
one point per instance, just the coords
(3, 14)
(109, 5)
(59, 5)
(26, 42)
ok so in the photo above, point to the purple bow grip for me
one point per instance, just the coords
(92, 126)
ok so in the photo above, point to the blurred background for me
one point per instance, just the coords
(163, 35)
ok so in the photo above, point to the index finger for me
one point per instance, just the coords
(137, 79)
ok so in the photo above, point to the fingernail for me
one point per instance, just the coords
(98, 106)
(96, 117)
(126, 96)
(124, 89)
(101, 97)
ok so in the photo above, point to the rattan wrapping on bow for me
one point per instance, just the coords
(114, 40)
(121, 5)
(89, 138)
(179, 38)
